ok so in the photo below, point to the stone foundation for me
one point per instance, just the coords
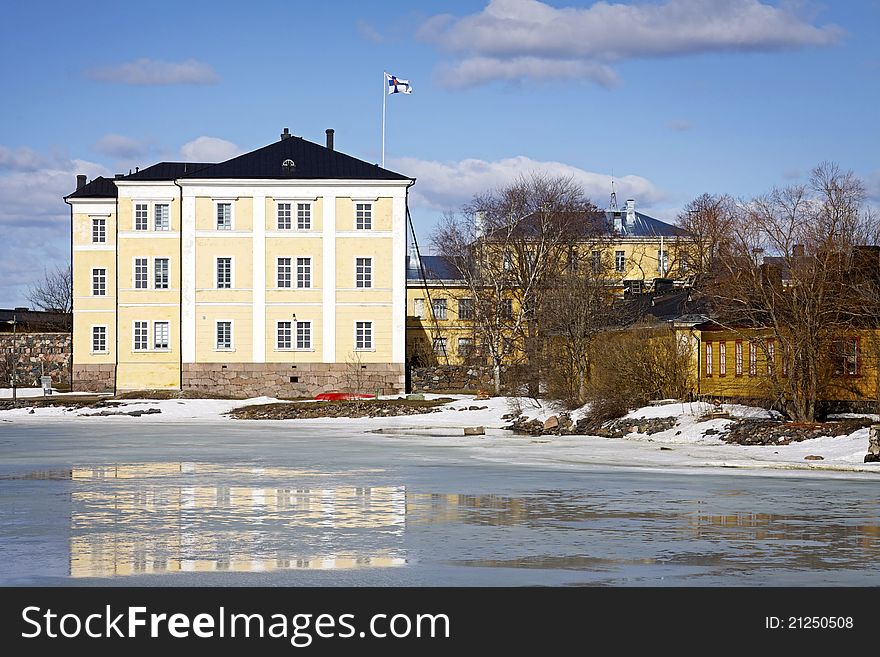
(32, 355)
(94, 378)
(243, 380)
(444, 378)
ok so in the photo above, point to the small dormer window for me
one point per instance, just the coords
(288, 167)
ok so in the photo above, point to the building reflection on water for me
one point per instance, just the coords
(177, 517)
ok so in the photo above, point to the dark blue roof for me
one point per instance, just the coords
(100, 187)
(168, 171)
(645, 226)
(434, 267)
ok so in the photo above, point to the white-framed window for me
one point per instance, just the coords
(162, 216)
(465, 347)
(284, 335)
(507, 308)
(465, 308)
(363, 276)
(303, 273)
(620, 260)
(684, 262)
(709, 359)
(722, 358)
(662, 261)
(141, 216)
(439, 308)
(282, 213)
(224, 335)
(99, 339)
(738, 358)
(160, 273)
(141, 274)
(507, 261)
(596, 260)
(161, 336)
(440, 346)
(224, 215)
(363, 336)
(771, 355)
(99, 230)
(224, 273)
(303, 216)
(303, 335)
(284, 275)
(753, 358)
(363, 216)
(419, 308)
(99, 282)
(141, 335)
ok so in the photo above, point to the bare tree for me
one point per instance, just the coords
(708, 220)
(509, 246)
(787, 271)
(54, 292)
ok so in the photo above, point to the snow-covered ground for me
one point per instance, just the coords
(683, 447)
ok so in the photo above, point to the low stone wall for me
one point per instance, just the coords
(32, 355)
(94, 378)
(451, 377)
(243, 380)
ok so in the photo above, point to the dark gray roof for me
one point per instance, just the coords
(645, 226)
(100, 187)
(435, 268)
(311, 161)
(168, 170)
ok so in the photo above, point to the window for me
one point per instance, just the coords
(683, 262)
(161, 216)
(846, 357)
(141, 213)
(140, 336)
(285, 335)
(284, 272)
(363, 272)
(303, 335)
(507, 262)
(99, 339)
(738, 358)
(363, 335)
(419, 308)
(466, 309)
(303, 216)
(160, 335)
(363, 216)
(303, 273)
(619, 260)
(465, 347)
(99, 230)
(440, 346)
(140, 274)
(722, 358)
(224, 273)
(99, 282)
(224, 335)
(160, 273)
(663, 262)
(771, 355)
(708, 359)
(572, 263)
(283, 216)
(753, 358)
(438, 306)
(596, 261)
(507, 308)
(224, 216)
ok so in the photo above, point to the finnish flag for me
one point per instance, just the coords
(396, 85)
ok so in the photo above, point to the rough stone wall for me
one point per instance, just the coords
(94, 378)
(243, 380)
(32, 355)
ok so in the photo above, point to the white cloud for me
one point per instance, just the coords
(517, 39)
(680, 125)
(872, 185)
(370, 33)
(448, 185)
(119, 146)
(143, 72)
(209, 149)
(34, 220)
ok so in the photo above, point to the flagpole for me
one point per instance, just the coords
(384, 97)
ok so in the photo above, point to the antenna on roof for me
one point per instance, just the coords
(613, 204)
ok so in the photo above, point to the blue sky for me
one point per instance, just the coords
(675, 97)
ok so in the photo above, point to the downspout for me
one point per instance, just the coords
(180, 289)
(116, 293)
(72, 297)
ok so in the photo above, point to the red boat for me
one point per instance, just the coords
(342, 396)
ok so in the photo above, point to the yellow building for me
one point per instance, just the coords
(637, 252)
(280, 271)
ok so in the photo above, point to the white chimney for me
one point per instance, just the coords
(414, 261)
(479, 224)
(630, 212)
